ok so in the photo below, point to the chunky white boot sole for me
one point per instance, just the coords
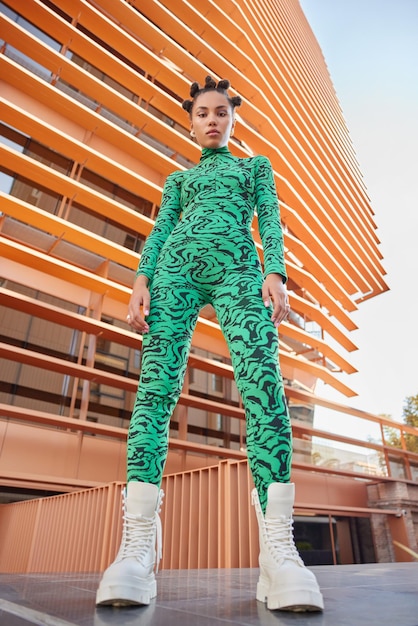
(126, 592)
(288, 599)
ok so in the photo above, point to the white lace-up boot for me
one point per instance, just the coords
(130, 579)
(284, 583)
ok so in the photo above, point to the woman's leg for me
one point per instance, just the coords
(165, 350)
(284, 582)
(130, 579)
(253, 345)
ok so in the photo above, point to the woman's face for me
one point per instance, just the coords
(212, 120)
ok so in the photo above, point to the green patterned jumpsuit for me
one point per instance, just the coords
(201, 251)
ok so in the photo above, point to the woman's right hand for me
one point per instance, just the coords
(139, 305)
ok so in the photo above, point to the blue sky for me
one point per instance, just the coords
(371, 50)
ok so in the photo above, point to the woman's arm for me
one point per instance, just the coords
(274, 290)
(168, 216)
(139, 304)
(268, 213)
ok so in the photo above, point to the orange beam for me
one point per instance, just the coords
(57, 139)
(67, 423)
(91, 86)
(41, 175)
(209, 328)
(36, 359)
(49, 419)
(66, 231)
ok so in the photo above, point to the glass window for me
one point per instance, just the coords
(104, 227)
(37, 196)
(217, 383)
(17, 55)
(94, 181)
(6, 183)
(48, 157)
(397, 467)
(414, 471)
(12, 138)
(313, 539)
(141, 205)
(31, 28)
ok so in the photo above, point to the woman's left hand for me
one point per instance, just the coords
(274, 290)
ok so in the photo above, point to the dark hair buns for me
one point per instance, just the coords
(210, 85)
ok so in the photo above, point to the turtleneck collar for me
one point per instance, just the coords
(207, 152)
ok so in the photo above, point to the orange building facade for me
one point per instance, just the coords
(91, 125)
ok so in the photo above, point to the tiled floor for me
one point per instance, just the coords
(355, 595)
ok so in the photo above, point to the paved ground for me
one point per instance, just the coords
(355, 595)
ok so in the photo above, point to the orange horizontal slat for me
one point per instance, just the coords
(61, 228)
(305, 308)
(78, 42)
(63, 185)
(89, 325)
(290, 113)
(57, 139)
(67, 232)
(13, 74)
(89, 85)
(60, 269)
(220, 39)
(43, 361)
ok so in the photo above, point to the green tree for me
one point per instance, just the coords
(410, 417)
(392, 435)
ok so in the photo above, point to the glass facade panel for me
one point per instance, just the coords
(313, 539)
(344, 457)
(397, 467)
(414, 471)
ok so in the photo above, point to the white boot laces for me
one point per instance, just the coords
(138, 533)
(278, 533)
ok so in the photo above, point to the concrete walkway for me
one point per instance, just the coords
(355, 595)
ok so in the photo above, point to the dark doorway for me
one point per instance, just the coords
(330, 540)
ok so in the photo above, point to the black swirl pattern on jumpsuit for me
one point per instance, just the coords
(201, 251)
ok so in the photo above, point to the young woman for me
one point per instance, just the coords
(201, 251)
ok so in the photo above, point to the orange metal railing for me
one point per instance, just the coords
(207, 518)
(71, 532)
